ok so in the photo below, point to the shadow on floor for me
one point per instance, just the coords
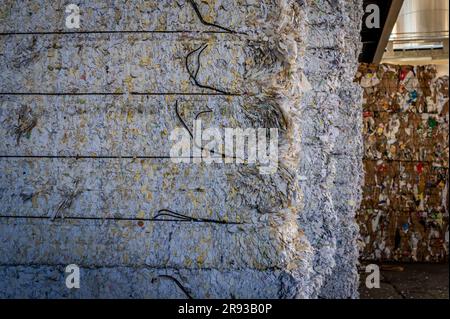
(408, 281)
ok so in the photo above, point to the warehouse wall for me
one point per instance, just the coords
(404, 212)
(86, 176)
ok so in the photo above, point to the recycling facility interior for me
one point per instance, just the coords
(85, 120)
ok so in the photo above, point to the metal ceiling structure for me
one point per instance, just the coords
(410, 32)
(421, 35)
(421, 24)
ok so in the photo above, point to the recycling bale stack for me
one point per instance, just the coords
(404, 212)
(87, 177)
(331, 157)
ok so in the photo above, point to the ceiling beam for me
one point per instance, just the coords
(392, 16)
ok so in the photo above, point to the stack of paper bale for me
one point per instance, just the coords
(331, 157)
(87, 178)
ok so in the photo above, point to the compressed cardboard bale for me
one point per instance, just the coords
(406, 163)
(405, 136)
(422, 185)
(403, 185)
(404, 236)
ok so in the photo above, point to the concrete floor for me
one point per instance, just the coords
(408, 281)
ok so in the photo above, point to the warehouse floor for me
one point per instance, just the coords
(409, 281)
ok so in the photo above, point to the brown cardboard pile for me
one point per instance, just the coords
(404, 210)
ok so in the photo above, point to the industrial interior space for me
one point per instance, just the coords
(117, 179)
